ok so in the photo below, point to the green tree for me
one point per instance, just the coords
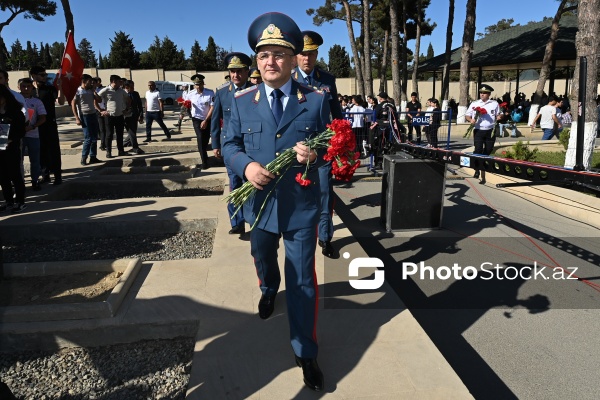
(32, 56)
(56, 53)
(430, 53)
(86, 53)
(17, 59)
(46, 57)
(101, 64)
(501, 25)
(196, 60)
(339, 61)
(163, 54)
(210, 56)
(31, 9)
(122, 52)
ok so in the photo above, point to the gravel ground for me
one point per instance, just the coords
(158, 369)
(182, 245)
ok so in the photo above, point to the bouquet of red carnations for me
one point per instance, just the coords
(185, 103)
(479, 111)
(340, 142)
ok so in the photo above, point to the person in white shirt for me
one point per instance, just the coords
(483, 136)
(154, 112)
(36, 115)
(548, 119)
(202, 108)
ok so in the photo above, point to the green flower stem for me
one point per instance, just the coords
(240, 195)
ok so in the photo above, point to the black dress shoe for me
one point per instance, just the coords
(57, 180)
(266, 305)
(313, 377)
(328, 250)
(238, 229)
(94, 160)
(476, 174)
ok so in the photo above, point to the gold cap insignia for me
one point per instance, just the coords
(271, 32)
(309, 45)
(235, 62)
(272, 36)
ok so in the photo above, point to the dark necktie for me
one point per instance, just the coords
(308, 80)
(277, 106)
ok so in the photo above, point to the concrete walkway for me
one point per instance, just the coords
(370, 344)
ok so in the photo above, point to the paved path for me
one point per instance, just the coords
(377, 352)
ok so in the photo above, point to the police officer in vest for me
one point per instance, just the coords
(308, 72)
(238, 65)
(266, 120)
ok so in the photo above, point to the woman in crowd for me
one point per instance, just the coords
(372, 102)
(435, 120)
(12, 125)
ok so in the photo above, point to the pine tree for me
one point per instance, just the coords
(339, 61)
(100, 60)
(210, 56)
(122, 52)
(430, 53)
(86, 53)
(46, 58)
(16, 61)
(196, 60)
(56, 53)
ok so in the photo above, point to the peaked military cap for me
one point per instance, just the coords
(198, 79)
(485, 89)
(312, 40)
(275, 29)
(237, 60)
(255, 73)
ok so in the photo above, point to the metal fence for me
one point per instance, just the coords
(361, 124)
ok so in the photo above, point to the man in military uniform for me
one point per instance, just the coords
(238, 65)
(266, 120)
(201, 111)
(483, 135)
(255, 77)
(307, 72)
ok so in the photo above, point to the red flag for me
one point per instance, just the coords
(71, 69)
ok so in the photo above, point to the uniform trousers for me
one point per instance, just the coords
(325, 218)
(302, 293)
(234, 182)
(484, 141)
(202, 136)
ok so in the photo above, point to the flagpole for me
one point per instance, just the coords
(63, 56)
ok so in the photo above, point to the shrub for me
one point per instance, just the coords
(563, 139)
(520, 151)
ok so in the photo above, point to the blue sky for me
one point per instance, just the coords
(227, 22)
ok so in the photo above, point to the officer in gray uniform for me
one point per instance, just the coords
(266, 120)
(238, 65)
(308, 72)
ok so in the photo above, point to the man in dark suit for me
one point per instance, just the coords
(238, 65)
(308, 72)
(266, 120)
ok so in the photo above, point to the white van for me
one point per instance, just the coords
(170, 91)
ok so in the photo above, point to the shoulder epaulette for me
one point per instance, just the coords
(244, 91)
(222, 86)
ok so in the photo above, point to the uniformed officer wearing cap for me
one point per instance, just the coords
(255, 77)
(308, 72)
(202, 109)
(238, 65)
(266, 120)
(483, 134)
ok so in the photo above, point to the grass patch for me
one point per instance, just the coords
(556, 158)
